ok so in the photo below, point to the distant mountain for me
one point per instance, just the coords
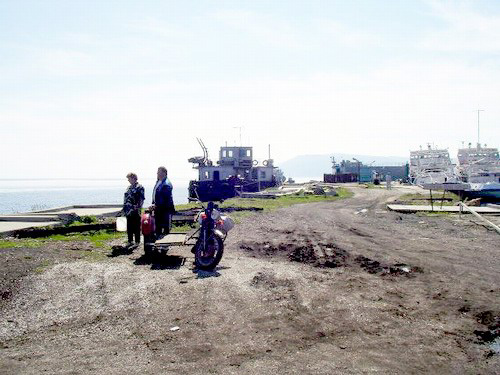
(316, 165)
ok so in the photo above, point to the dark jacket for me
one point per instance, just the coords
(133, 199)
(162, 196)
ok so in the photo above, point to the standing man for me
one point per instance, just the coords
(132, 204)
(388, 180)
(163, 203)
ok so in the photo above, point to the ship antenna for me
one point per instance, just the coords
(479, 110)
(238, 127)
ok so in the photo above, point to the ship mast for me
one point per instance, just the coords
(479, 110)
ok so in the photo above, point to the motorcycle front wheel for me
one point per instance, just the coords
(207, 257)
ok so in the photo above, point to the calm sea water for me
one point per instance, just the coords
(34, 195)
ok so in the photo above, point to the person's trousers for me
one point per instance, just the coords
(134, 227)
(163, 221)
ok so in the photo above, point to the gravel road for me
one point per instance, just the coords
(334, 287)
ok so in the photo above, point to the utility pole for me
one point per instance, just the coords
(479, 110)
(359, 169)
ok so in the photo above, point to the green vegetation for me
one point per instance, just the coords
(238, 216)
(182, 228)
(371, 185)
(84, 220)
(188, 206)
(26, 243)
(42, 266)
(284, 201)
(434, 213)
(261, 203)
(97, 238)
(89, 255)
(270, 204)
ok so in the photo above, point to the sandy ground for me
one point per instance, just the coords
(321, 288)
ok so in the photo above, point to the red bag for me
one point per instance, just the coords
(147, 224)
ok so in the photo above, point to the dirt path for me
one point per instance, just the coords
(317, 289)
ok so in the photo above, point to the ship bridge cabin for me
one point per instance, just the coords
(237, 162)
(238, 157)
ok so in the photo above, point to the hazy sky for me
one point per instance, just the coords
(101, 88)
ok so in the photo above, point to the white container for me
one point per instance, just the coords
(121, 224)
(227, 223)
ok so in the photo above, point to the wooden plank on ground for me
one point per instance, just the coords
(427, 208)
(172, 239)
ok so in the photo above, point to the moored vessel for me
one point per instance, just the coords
(478, 164)
(431, 166)
(236, 171)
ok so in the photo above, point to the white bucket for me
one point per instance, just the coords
(121, 224)
(227, 223)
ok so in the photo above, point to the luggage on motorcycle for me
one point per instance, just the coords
(147, 224)
(225, 223)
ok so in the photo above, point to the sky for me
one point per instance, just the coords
(97, 89)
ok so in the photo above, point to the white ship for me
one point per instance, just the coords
(479, 167)
(431, 166)
(478, 164)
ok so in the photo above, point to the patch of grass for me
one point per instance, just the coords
(4, 244)
(270, 204)
(188, 206)
(264, 204)
(84, 220)
(371, 185)
(91, 256)
(24, 243)
(42, 266)
(89, 219)
(97, 238)
(419, 199)
(435, 213)
(237, 216)
(284, 201)
(182, 228)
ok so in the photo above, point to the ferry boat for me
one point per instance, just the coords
(431, 166)
(479, 167)
(478, 164)
(236, 171)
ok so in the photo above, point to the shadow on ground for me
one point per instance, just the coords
(161, 262)
(119, 250)
(203, 274)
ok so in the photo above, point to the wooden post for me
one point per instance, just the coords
(495, 227)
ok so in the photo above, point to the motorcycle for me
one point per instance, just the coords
(209, 246)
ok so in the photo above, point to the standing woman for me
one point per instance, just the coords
(132, 204)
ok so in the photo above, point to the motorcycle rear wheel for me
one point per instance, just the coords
(207, 257)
